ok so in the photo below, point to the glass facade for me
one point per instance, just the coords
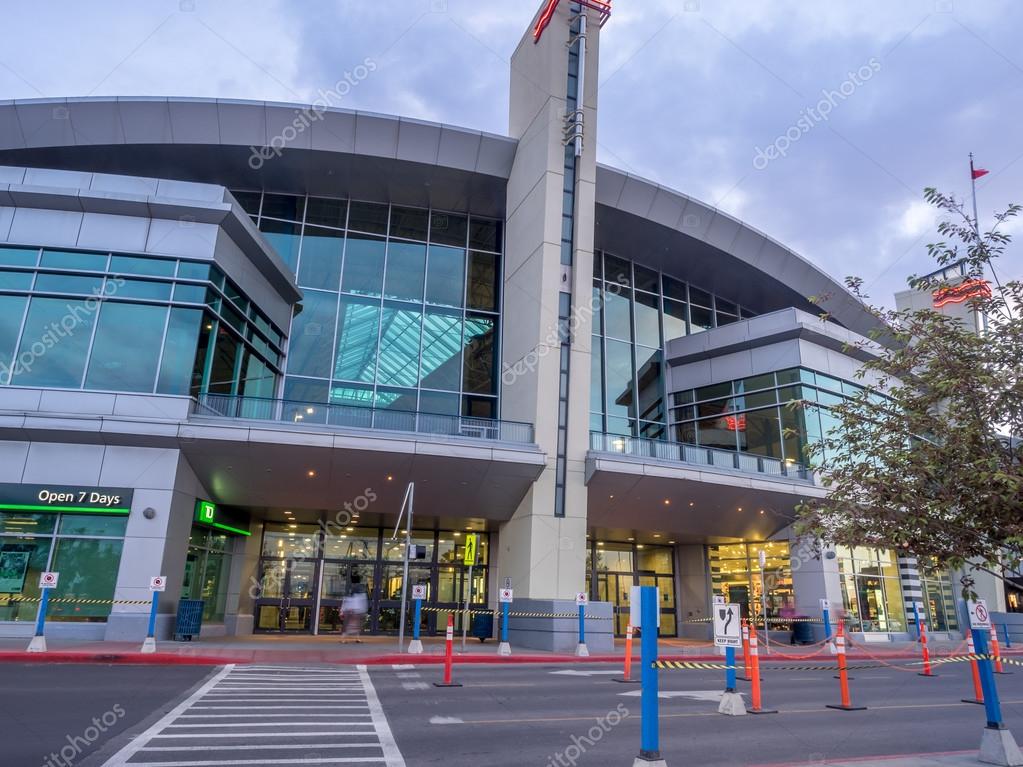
(871, 589)
(401, 305)
(613, 568)
(207, 572)
(736, 575)
(939, 597)
(128, 323)
(636, 312)
(85, 550)
(305, 567)
(752, 414)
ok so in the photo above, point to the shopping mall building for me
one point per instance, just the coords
(233, 332)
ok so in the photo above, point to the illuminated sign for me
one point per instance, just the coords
(64, 499)
(208, 513)
(735, 422)
(964, 291)
(603, 7)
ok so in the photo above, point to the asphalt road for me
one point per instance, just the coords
(45, 708)
(511, 715)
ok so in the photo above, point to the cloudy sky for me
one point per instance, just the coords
(704, 96)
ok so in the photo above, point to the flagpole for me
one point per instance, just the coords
(973, 186)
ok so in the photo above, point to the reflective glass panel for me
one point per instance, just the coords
(674, 319)
(409, 223)
(15, 280)
(68, 283)
(127, 347)
(157, 291)
(485, 235)
(367, 217)
(648, 373)
(617, 319)
(439, 402)
(406, 271)
(357, 328)
(482, 281)
(283, 238)
(156, 267)
(648, 331)
(442, 350)
(286, 206)
(445, 278)
(479, 375)
(54, 357)
(364, 265)
(312, 335)
(620, 401)
(320, 264)
(326, 212)
(19, 256)
(596, 368)
(398, 358)
(448, 229)
(93, 262)
(759, 432)
(12, 309)
(223, 371)
(92, 565)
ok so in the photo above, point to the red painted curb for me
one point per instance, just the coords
(164, 659)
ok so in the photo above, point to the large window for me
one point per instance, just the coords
(115, 322)
(208, 571)
(613, 568)
(401, 304)
(85, 550)
(939, 597)
(871, 590)
(737, 576)
(636, 312)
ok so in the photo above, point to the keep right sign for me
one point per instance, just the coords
(980, 618)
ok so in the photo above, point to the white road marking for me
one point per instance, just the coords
(574, 672)
(415, 685)
(402, 666)
(446, 720)
(341, 709)
(709, 695)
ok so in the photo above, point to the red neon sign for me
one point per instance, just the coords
(957, 294)
(603, 7)
(735, 422)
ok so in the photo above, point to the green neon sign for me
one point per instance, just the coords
(208, 513)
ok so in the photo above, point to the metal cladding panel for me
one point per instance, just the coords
(46, 227)
(70, 179)
(637, 197)
(459, 149)
(376, 135)
(10, 128)
(145, 121)
(11, 174)
(333, 132)
(418, 141)
(722, 231)
(45, 123)
(286, 127)
(242, 122)
(108, 232)
(6, 218)
(194, 121)
(114, 184)
(496, 156)
(666, 208)
(94, 122)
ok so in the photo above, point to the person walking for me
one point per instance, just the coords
(354, 607)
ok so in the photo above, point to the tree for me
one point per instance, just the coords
(926, 459)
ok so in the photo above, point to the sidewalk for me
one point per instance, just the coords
(377, 650)
(943, 759)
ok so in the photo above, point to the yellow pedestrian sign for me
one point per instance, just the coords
(471, 541)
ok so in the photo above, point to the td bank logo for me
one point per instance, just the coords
(205, 511)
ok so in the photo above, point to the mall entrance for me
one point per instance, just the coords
(306, 571)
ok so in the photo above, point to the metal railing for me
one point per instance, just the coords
(351, 416)
(748, 463)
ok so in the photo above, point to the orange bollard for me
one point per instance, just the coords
(448, 655)
(927, 654)
(756, 708)
(745, 652)
(978, 691)
(627, 675)
(999, 668)
(843, 674)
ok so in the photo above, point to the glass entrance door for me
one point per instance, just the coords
(286, 596)
(615, 588)
(337, 581)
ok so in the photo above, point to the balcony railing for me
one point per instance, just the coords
(349, 416)
(695, 454)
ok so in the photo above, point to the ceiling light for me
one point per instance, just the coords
(667, 502)
(691, 503)
(349, 529)
(292, 526)
(389, 477)
(671, 541)
(457, 534)
(310, 410)
(610, 496)
(311, 473)
(740, 508)
(600, 543)
(632, 539)
(761, 511)
(657, 535)
(639, 545)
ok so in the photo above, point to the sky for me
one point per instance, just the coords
(820, 124)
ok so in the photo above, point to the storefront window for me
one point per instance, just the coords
(208, 571)
(85, 550)
(939, 598)
(871, 591)
(736, 575)
(613, 568)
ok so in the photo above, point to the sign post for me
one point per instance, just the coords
(649, 742)
(47, 581)
(728, 634)
(826, 617)
(582, 599)
(157, 584)
(997, 746)
(762, 559)
(506, 596)
(415, 647)
(468, 559)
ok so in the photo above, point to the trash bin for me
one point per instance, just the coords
(189, 620)
(802, 630)
(483, 626)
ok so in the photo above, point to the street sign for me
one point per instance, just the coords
(158, 583)
(506, 595)
(762, 557)
(507, 583)
(636, 608)
(419, 591)
(727, 626)
(48, 580)
(471, 541)
(582, 599)
(825, 604)
(979, 616)
(718, 599)
(416, 551)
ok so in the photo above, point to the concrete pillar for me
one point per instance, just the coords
(815, 579)
(693, 591)
(545, 555)
(243, 586)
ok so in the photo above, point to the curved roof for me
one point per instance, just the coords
(413, 162)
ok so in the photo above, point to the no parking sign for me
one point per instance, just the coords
(158, 583)
(48, 580)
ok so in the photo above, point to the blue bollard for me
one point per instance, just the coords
(1008, 642)
(582, 624)
(149, 645)
(916, 619)
(992, 707)
(415, 624)
(826, 615)
(41, 617)
(730, 671)
(649, 745)
(504, 622)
